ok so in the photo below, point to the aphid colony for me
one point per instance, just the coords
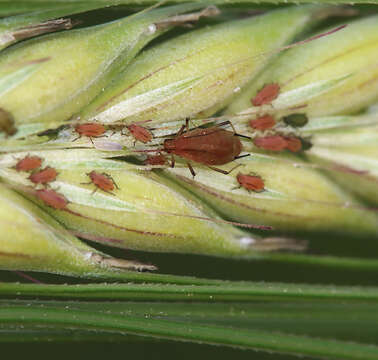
(275, 142)
(210, 146)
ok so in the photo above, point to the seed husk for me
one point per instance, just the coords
(196, 74)
(347, 56)
(297, 197)
(32, 240)
(95, 54)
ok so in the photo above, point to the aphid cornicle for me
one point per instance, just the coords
(44, 176)
(51, 198)
(250, 182)
(102, 181)
(266, 95)
(140, 133)
(28, 163)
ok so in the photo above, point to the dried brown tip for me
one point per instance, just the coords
(42, 28)
(120, 263)
(187, 18)
(7, 122)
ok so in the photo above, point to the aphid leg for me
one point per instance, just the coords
(191, 169)
(76, 138)
(111, 178)
(228, 122)
(172, 161)
(187, 124)
(241, 156)
(223, 171)
(94, 190)
(181, 131)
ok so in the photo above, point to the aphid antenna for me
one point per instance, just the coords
(242, 156)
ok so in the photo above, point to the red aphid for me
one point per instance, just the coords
(52, 198)
(102, 181)
(211, 146)
(140, 133)
(272, 142)
(159, 159)
(263, 123)
(293, 144)
(250, 182)
(29, 163)
(90, 129)
(266, 95)
(44, 176)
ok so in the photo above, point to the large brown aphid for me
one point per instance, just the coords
(102, 181)
(209, 146)
(44, 176)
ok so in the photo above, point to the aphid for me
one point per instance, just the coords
(102, 181)
(210, 146)
(272, 142)
(296, 120)
(263, 123)
(44, 176)
(159, 159)
(293, 144)
(251, 182)
(52, 198)
(140, 133)
(28, 163)
(90, 130)
(266, 95)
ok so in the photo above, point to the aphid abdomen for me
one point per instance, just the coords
(211, 146)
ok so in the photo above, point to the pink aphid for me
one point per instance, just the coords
(263, 123)
(271, 142)
(29, 163)
(251, 182)
(266, 95)
(102, 181)
(293, 144)
(44, 176)
(52, 198)
(90, 129)
(140, 133)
